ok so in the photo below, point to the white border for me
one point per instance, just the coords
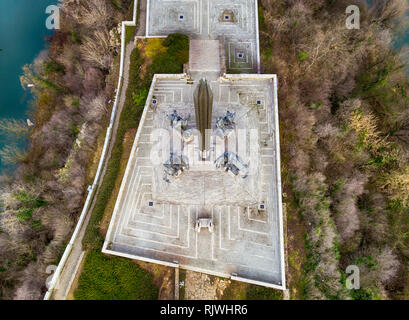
(279, 187)
(258, 38)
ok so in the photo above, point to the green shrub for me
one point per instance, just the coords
(303, 55)
(28, 200)
(24, 214)
(129, 33)
(370, 293)
(28, 204)
(172, 60)
(51, 66)
(139, 97)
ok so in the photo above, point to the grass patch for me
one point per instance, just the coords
(174, 55)
(109, 208)
(106, 278)
(263, 293)
(153, 47)
(244, 291)
(129, 33)
(235, 291)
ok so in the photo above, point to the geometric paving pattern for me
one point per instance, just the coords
(206, 20)
(154, 221)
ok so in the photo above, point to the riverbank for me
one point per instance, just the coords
(23, 38)
(73, 87)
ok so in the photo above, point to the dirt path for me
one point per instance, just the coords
(74, 260)
(201, 286)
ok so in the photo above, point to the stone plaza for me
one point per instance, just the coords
(157, 214)
(235, 23)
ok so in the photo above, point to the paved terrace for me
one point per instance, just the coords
(235, 21)
(247, 244)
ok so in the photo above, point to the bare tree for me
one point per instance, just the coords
(386, 12)
(96, 49)
(94, 109)
(96, 14)
(10, 155)
(17, 127)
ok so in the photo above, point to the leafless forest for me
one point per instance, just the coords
(344, 138)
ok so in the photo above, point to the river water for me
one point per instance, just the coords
(22, 38)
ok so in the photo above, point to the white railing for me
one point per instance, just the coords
(257, 38)
(61, 264)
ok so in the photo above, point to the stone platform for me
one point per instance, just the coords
(154, 220)
(234, 22)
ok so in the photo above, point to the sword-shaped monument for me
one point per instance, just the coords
(203, 100)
